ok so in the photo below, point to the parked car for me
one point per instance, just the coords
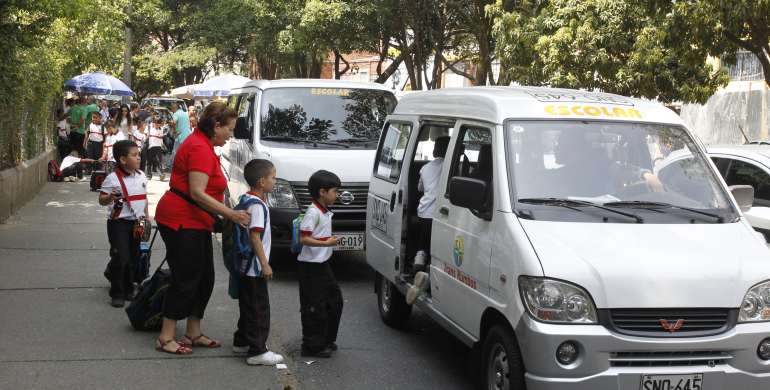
(165, 102)
(558, 256)
(741, 165)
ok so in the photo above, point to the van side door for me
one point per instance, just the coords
(461, 240)
(385, 205)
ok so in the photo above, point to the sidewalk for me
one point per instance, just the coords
(58, 328)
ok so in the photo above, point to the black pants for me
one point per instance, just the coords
(125, 251)
(73, 170)
(190, 257)
(143, 155)
(94, 152)
(154, 160)
(76, 143)
(321, 304)
(254, 322)
(426, 228)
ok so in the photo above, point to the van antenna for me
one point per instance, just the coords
(744, 135)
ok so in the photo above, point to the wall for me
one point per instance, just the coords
(717, 121)
(21, 183)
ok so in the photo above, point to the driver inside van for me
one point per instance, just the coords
(587, 171)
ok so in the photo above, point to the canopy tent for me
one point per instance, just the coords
(219, 87)
(98, 82)
(185, 92)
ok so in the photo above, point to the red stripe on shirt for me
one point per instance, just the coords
(257, 229)
(305, 233)
(156, 136)
(137, 197)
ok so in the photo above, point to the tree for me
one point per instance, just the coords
(607, 45)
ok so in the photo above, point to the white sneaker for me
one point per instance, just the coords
(419, 261)
(268, 358)
(75, 179)
(421, 284)
(70, 178)
(240, 349)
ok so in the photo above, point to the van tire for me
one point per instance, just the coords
(392, 304)
(502, 364)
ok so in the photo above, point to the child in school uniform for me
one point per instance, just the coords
(253, 299)
(320, 296)
(71, 169)
(125, 250)
(62, 132)
(112, 137)
(154, 134)
(94, 144)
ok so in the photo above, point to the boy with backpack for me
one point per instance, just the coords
(124, 192)
(320, 296)
(253, 299)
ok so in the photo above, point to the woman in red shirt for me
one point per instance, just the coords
(185, 219)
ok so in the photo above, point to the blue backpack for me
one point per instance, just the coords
(239, 258)
(296, 247)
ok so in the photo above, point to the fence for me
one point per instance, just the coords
(717, 121)
(26, 128)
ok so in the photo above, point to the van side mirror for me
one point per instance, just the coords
(468, 193)
(744, 195)
(240, 131)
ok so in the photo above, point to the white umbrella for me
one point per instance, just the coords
(219, 86)
(185, 92)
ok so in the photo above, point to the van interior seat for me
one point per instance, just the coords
(484, 170)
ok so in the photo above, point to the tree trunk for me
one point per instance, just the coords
(337, 58)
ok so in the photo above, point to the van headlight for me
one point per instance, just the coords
(282, 196)
(556, 301)
(756, 304)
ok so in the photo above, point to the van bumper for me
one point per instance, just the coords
(593, 369)
(282, 220)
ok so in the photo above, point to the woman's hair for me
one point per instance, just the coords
(215, 112)
(120, 117)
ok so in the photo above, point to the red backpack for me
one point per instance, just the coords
(54, 173)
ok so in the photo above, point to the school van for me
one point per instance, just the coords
(558, 255)
(303, 126)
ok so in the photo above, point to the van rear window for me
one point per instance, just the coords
(325, 114)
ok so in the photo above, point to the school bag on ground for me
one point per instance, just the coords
(236, 254)
(143, 269)
(97, 179)
(146, 310)
(54, 173)
(296, 247)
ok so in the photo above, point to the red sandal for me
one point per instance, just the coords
(213, 344)
(182, 350)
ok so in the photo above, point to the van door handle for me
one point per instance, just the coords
(400, 196)
(444, 210)
(392, 201)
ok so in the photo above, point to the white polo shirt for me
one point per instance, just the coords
(155, 135)
(429, 178)
(138, 137)
(317, 224)
(95, 133)
(110, 141)
(68, 162)
(136, 185)
(258, 224)
(61, 126)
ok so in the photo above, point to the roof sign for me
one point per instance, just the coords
(584, 97)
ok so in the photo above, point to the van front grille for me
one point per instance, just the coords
(674, 322)
(668, 358)
(359, 191)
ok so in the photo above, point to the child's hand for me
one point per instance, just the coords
(334, 240)
(267, 272)
(113, 194)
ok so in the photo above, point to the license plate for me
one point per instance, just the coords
(351, 242)
(672, 382)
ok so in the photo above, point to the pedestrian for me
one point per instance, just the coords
(151, 114)
(77, 115)
(126, 184)
(69, 103)
(91, 108)
(95, 142)
(180, 125)
(143, 113)
(71, 167)
(154, 134)
(105, 111)
(137, 135)
(320, 297)
(62, 134)
(111, 138)
(186, 219)
(123, 120)
(253, 298)
(191, 112)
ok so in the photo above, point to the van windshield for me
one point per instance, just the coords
(167, 104)
(325, 114)
(620, 164)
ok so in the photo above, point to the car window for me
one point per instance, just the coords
(390, 156)
(743, 173)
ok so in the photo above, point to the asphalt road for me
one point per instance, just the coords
(371, 355)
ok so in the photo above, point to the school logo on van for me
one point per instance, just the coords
(459, 251)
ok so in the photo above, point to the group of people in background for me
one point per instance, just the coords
(87, 133)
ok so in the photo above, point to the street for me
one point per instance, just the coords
(59, 331)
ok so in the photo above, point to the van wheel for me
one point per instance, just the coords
(503, 368)
(392, 304)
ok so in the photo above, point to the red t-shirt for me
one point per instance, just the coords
(196, 154)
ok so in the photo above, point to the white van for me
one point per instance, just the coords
(557, 254)
(303, 126)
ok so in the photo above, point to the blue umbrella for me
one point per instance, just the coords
(98, 82)
(219, 86)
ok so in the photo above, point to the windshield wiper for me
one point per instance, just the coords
(356, 140)
(280, 139)
(333, 143)
(653, 205)
(571, 204)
